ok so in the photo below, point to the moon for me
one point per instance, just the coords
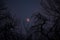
(28, 20)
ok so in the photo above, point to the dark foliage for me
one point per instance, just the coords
(7, 24)
(52, 8)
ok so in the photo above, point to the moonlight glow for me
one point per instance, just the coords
(28, 20)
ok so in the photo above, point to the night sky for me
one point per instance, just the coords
(23, 8)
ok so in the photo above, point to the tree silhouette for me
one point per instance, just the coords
(52, 8)
(38, 26)
(7, 24)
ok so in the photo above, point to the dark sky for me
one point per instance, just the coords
(23, 8)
